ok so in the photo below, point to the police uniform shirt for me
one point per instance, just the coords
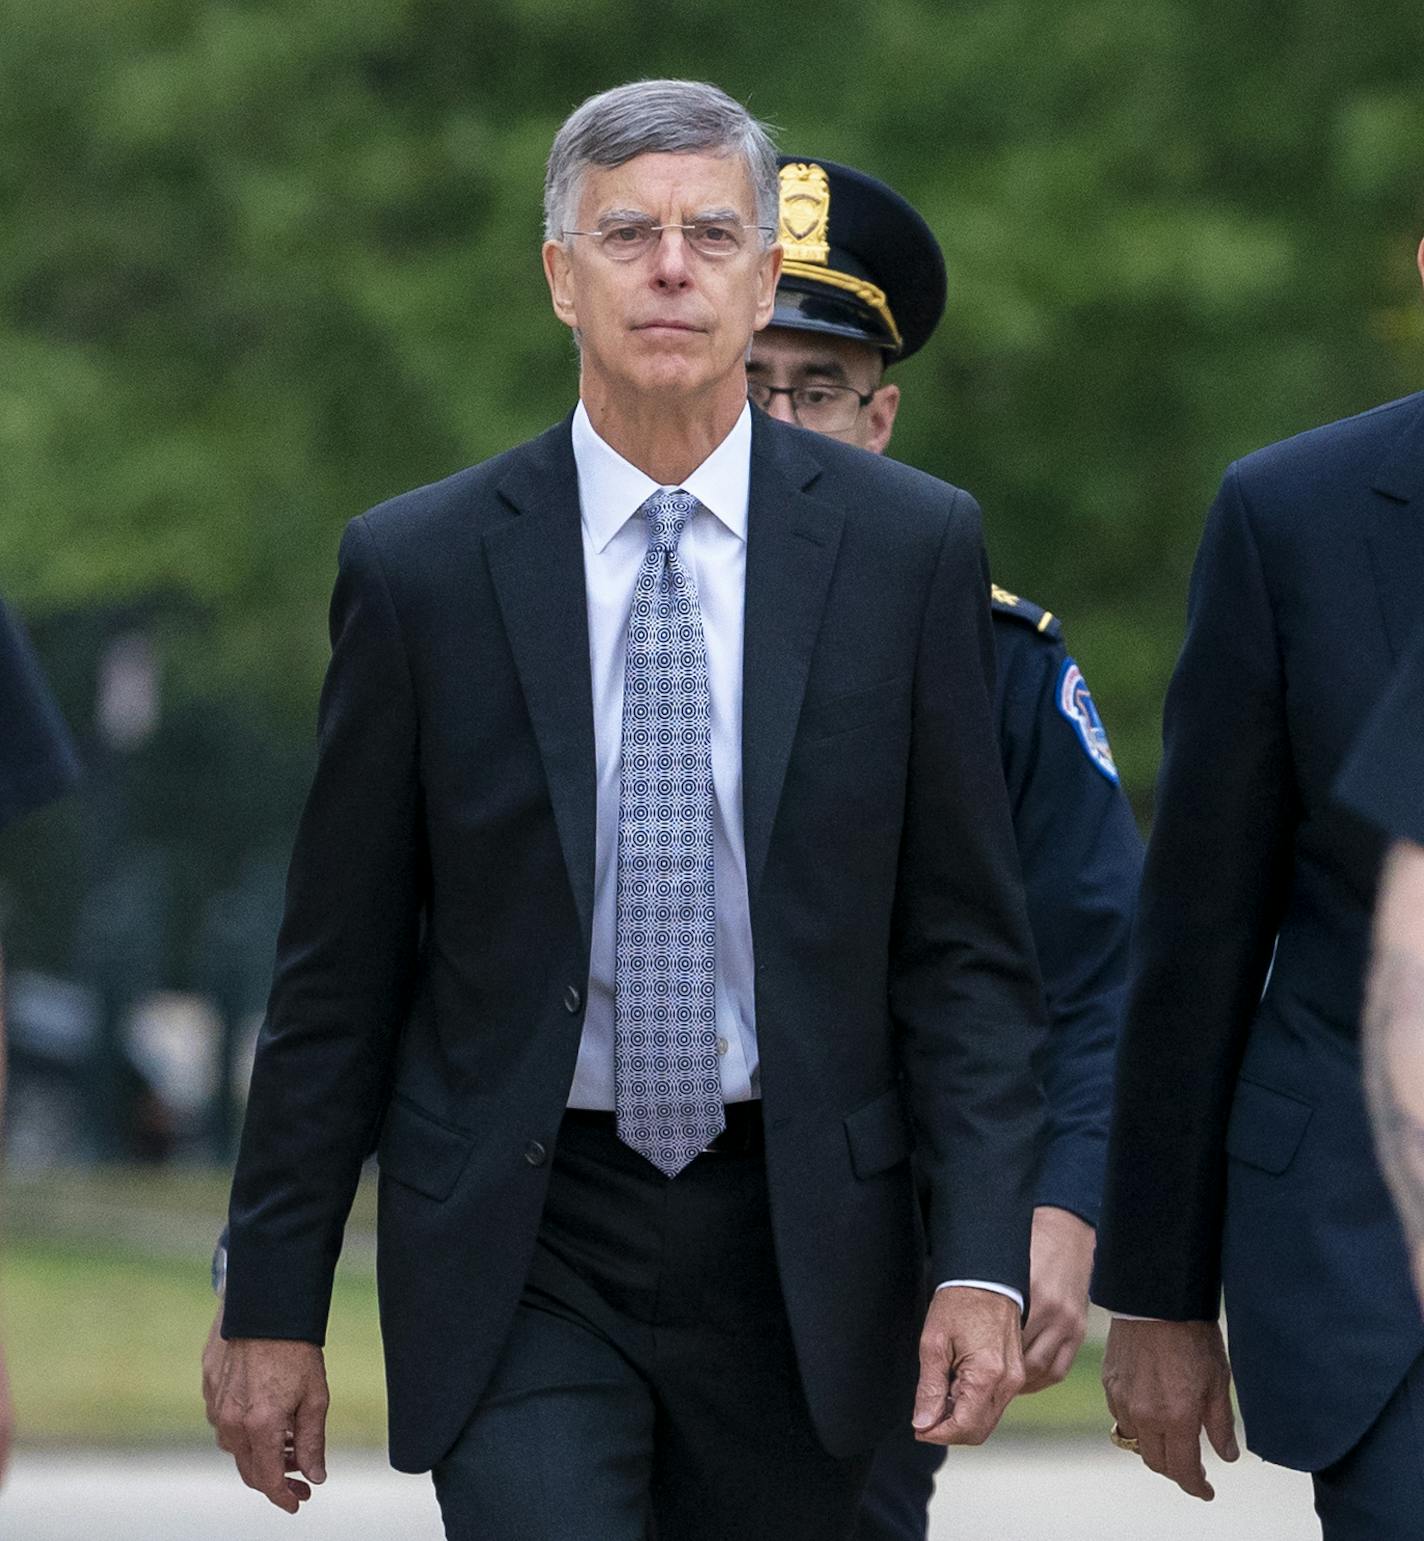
(37, 760)
(1082, 859)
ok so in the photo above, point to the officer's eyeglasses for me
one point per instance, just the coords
(625, 240)
(822, 408)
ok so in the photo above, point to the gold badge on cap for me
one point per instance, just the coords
(805, 213)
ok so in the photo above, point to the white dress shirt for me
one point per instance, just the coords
(713, 548)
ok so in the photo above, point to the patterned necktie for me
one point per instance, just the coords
(669, 1087)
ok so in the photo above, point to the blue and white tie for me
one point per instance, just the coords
(668, 1085)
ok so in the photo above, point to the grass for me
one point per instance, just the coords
(104, 1345)
(1076, 1407)
(105, 1307)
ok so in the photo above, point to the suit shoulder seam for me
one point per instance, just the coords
(368, 537)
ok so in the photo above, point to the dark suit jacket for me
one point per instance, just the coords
(435, 947)
(1383, 779)
(1241, 1151)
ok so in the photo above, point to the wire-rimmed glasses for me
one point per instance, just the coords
(625, 239)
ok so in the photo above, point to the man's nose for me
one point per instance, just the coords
(779, 407)
(671, 268)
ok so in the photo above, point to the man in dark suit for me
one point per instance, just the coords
(1241, 1154)
(657, 841)
(1383, 781)
(863, 286)
(37, 764)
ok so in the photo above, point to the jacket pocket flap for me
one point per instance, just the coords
(878, 1134)
(828, 717)
(1266, 1126)
(417, 1150)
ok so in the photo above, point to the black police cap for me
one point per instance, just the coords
(860, 261)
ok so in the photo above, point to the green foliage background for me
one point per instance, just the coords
(264, 264)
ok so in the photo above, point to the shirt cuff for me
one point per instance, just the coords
(983, 1284)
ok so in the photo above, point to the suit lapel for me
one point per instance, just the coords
(536, 564)
(792, 539)
(1395, 533)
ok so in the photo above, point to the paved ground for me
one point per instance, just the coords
(1004, 1492)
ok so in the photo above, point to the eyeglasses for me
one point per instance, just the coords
(625, 240)
(822, 408)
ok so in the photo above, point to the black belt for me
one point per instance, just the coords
(742, 1135)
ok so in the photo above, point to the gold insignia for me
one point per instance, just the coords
(1012, 601)
(806, 250)
(805, 212)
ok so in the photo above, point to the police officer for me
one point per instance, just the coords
(863, 285)
(36, 765)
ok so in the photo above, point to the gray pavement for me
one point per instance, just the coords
(1006, 1491)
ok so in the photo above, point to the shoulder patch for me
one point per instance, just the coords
(1076, 705)
(1024, 610)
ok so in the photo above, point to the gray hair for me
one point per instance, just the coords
(656, 117)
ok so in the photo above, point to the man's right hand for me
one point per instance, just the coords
(1165, 1383)
(271, 1415)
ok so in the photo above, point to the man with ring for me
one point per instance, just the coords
(1241, 1166)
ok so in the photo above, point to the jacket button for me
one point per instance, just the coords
(573, 999)
(535, 1154)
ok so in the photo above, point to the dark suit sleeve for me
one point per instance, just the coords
(345, 958)
(1212, 896)
(37, 761)
(1082, 859)
(964, 989)
(1383, 780)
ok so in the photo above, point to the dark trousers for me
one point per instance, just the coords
(1376, 1492)
(648, 1386)
(896, 1503)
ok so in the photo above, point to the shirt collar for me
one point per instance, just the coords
(612, 489)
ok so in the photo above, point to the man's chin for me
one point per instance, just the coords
(672, 373)
(671, 368)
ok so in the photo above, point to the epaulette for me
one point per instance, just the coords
(1025, 610)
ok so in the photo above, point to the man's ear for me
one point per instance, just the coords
(880, 413)
(1419, 258)
(558, 270)
(768, 272)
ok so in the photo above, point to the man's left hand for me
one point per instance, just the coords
(1060, 1267)
(971, 1365)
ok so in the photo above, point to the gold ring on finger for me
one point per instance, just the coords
(1124, 1441)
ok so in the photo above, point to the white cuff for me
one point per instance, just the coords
(982, 1284)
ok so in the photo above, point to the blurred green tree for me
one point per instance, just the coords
(265, 264)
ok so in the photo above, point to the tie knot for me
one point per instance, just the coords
(667, 513)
